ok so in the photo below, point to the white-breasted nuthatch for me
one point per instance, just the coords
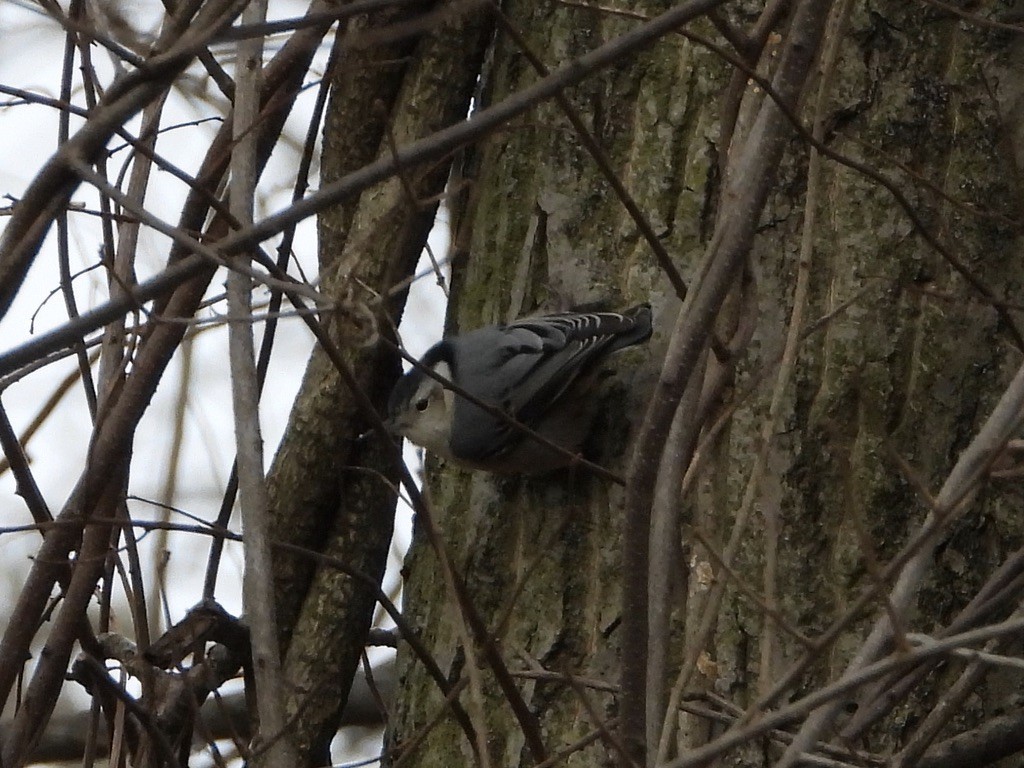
(536, 370)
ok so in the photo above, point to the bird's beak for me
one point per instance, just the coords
(389, 424)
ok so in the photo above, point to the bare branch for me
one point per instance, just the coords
(272, 746)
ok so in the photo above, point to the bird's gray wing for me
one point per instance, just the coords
(574, 343)
(490, 363)
(525, 367)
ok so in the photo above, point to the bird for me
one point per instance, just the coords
(538, 372)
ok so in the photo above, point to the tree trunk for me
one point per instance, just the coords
(540, 556)
(332, 492)
(813, 466)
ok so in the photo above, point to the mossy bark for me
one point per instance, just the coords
(906, 369)
(540, 555)
(901, 374)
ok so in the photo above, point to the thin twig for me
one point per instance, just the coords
(258, 584)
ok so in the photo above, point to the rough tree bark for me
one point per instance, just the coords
(883, 396)
(331, 492)
(547, 232)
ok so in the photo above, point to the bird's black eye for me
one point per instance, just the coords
(421, 405)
